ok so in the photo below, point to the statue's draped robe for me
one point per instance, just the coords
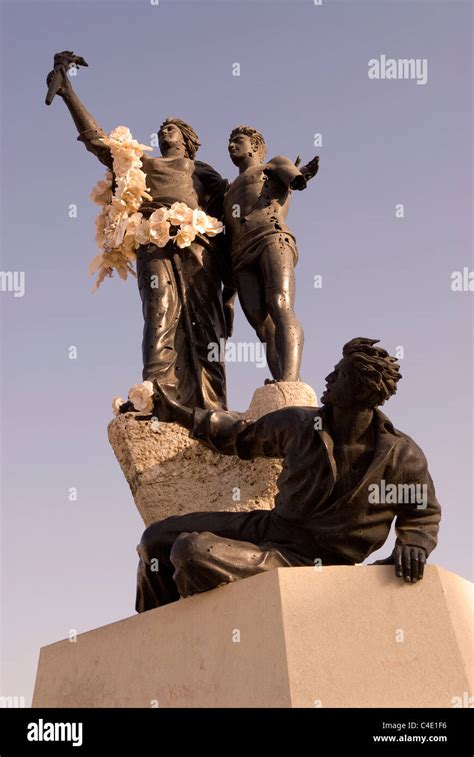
(309, 522)
(181, 289)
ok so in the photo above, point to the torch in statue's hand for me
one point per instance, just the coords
(62, 62)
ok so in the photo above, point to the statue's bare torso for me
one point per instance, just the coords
(172, 180)
(256, 199)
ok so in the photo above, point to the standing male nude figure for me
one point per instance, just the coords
(263, 249)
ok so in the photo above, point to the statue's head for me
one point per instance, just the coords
(366, 376)
(244, 142)
(175, 133)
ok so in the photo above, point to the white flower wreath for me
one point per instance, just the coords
(120, 228)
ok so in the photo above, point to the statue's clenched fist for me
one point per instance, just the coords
(57, 79)
(61, 81)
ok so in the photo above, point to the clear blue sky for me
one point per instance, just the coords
(303, 70)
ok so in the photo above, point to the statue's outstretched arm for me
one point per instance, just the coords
(89, 130)
(227, 432)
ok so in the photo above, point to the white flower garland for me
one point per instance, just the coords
(120, 228)
(141, 397)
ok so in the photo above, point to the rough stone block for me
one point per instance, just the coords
(171, 474)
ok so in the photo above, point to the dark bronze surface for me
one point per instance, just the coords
(333, 457)
(187, 295)
(263, 249)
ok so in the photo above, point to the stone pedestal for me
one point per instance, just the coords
(292, 637)
(171, 474)
(272, 397)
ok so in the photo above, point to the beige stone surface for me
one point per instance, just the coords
(171, 474)
(371, 640)
(292, 637)
(272, 397)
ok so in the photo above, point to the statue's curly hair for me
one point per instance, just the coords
(191, 139)
(256, 138)
(376, 372)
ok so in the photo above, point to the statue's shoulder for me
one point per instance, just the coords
(280, 160)
(409, 454)
(206, 170)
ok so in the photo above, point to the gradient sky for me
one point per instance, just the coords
(71, 565)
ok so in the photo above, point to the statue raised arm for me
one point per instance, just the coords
(185, 287)
(89, 130)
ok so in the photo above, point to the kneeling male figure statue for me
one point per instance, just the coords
(347, 474)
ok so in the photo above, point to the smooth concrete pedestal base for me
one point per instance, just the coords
(292, 637)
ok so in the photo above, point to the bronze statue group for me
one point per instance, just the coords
(333, 456)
